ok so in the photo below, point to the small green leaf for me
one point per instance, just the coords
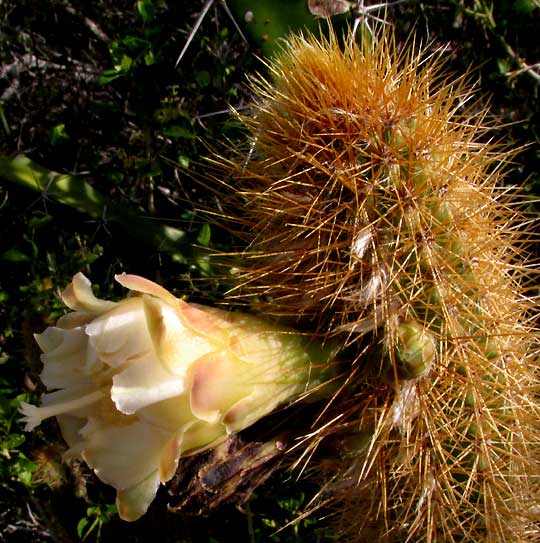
(11, 442)
(183, 160)
(125, 63)
(134, 45)
(204, 265)
(37, 222)
(503, 65)
(525, 7)
(203, 78)
(58, 134)
(149, 58)
(177, 131)
(81, 525)
(22, 469)
(204, 235)
(15, 255)
(109, 75)
(146, 10)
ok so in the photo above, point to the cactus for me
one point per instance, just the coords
(373, 211)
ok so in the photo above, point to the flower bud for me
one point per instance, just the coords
(415, 350)
(138, 383)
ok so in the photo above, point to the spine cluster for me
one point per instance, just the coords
(374, 214)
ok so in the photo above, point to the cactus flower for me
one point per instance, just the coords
(136, 384)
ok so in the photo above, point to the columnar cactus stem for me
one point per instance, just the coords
(373, 211)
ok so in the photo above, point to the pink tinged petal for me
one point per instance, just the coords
(245, 412)
(145, 286)
(120, 334)
(133, 502)
(79, 297)
(216, 385)
(205, 321)
(211, 321)
(142, 383)
(123, 455)
(33, 415)
(176, 346)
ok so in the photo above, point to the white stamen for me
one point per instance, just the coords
(33, 416)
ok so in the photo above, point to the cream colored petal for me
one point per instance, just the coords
(222, 319)
(200, 435)
(74, 319)
(79, 297)
(260, 403)
(52, 338)
(169, 459)
(64, 357)
(174, 416)
(170, 415)
(120, 334)
(70, 428)
(133, 502)
(142, 383)
(145, 286)
(123, 455)
(176, 346)
(71, 395)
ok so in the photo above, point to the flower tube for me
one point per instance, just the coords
(138, 383)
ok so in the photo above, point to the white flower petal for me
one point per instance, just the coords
(70, 427)
(176, 346)
(133, 502)
(51, 338)
(142, 383)
(123, 456)
(63, 357)
(120, 334)
(74, 320)
(171, 415)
